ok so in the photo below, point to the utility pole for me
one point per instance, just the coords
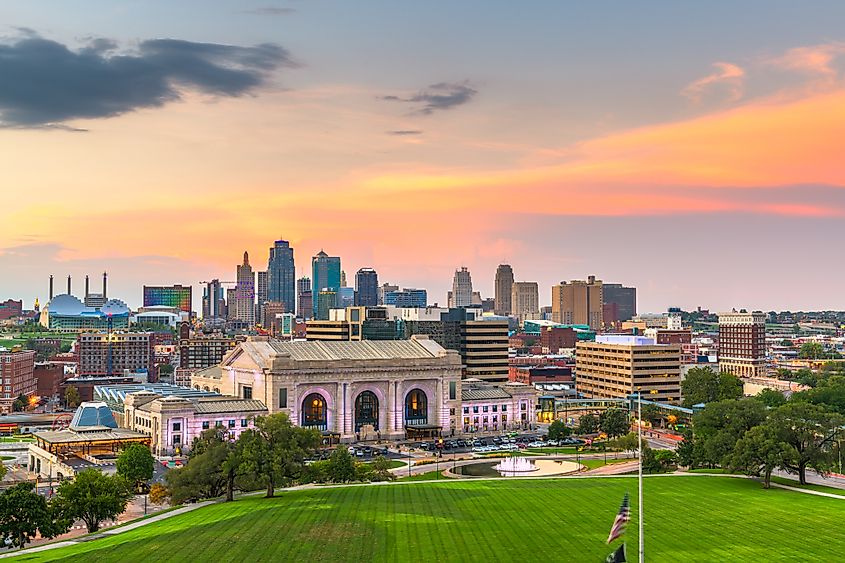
(640, 475)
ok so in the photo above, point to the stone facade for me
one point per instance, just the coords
(356, 390)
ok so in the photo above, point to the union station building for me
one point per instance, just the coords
(348, 390)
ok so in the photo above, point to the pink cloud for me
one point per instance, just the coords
(727, 76)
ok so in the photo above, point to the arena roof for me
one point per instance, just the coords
(421, 348)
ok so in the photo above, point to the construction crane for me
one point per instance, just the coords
(220, 282)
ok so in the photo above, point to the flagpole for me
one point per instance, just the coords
(640, 475)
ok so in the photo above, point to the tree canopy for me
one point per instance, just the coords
(703, 385)
(24, 514)
(93, 497)
(614, 422)
(136, 465)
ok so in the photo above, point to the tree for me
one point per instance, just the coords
(760, 452)
(381, 469)
(159, 494)
(136, 465)
(652, 414)
(588, 424)
(658, 461)
(787, 343)
(614, 422)
(630, 442)
(772, 398)
(93, 497)
(275, 450)
(703, 385)
(341, 466)
(165, 369)
(719, 425)
(20, 403)
(686, 450)
(72, 398)
(806, 377)
(213, 465)
(812, 351)
(808, 430)
(829, 391)
(558, 430)
(24, 513)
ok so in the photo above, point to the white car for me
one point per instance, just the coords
(479, 449)
(536, 444)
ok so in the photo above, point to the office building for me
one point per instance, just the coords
(383, 290)
(281, 274)
(176, 296)
(742, 343)
(504, 283)
(616, 366)
(408, 297)
(461, 294)
(325, 283)
(245, 293)
(620, 303)
(17, 376)
(10, 309)
(578, 303)
(347, 390)
(201, 350)
(345, 297)
(213, 301)
(114, 353)
(304, 302)
(260, 297)
(525, 300)
(366, 287)
(482, 343)
(231, 309)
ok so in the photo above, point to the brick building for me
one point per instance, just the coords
(16, 376)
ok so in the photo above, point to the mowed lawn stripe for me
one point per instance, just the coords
(687, 519)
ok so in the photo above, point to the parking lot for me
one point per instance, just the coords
(492, 444)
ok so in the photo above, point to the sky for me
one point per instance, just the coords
(693, 150)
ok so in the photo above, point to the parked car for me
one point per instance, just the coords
(536, 444)
(521, 445)
(425, 446)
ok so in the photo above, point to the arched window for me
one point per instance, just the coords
(314, 412)
(366, 410)
(416, 408)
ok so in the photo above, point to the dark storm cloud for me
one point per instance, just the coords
(44, 83)
(405, 132)
(443, 95)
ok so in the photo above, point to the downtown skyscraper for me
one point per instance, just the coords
(504, 284)
(366, 288)
(245, 293)
(325, 283)
(281, 276)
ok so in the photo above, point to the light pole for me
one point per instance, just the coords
(640, 472)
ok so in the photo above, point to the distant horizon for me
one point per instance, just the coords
(159, 141)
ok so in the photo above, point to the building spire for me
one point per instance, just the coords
(246, 258)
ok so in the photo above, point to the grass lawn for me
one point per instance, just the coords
(808, 486)
(430, 475)
(596, 463)
(689, 519)
(13, 439)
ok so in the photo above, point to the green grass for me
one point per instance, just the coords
(16, 439)
(808, 486)
(430, 475)
(392, 463)
(596, 463)
(690, 519)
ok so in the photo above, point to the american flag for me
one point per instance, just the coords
(620, 521)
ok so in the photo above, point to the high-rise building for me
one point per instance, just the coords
(176, 296)
(366, 287)
(326, 300)
(525, 300)
(281, 274)
(578, 302)
(245, 293)
(616, 366)
(261, 298)
(343, 278)
(304, 300)
(622, 301)
(16, 376)
(345, 298)
(383, 290)
(742, 343)
(231, 295)
(201, 350)
(408, 297)
(482, 344)
(461, 294)
(504, 281)
(325, 282)
(113, 353)
(213, 301)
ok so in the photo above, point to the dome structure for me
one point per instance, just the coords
(66, 305)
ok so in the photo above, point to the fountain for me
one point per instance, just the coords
(515, 466)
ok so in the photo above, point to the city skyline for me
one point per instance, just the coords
(592, 141)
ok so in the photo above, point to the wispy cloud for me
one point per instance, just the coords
(727, 76)
(405, 132)
(440, 96)
(816, 60)
(46, 83)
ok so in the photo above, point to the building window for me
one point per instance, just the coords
(475, 409)
(466, 410)
(314, 412)
(452, 412)
(231, 424)
(485, 408)
(177, 426)
(495, 408)
(177, 439)
(366, 410)
(283, 398)
(453, 390)
(504, 408)
(247, 392)
(416, 408)
(205, 425)
(244, 423)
